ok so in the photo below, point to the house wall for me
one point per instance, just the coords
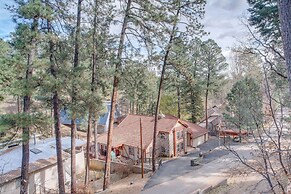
(101, 129)
(171, 144)
(116, 166)
(163, 148)
(10, 187)
(80, 165)
(166, 142)
(134, 155)
(199, 140)
(180, 142)
(45, 180)
(149, 151)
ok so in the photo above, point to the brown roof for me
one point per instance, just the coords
(212, 112)
(128, 131)
(196, 130)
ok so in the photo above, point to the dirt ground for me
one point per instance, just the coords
(242, 182)
(132, 184)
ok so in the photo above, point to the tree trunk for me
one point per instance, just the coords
(93, 88)
(18, 104)
(179, 97)
(206, 111)
(193, 119)
(106, 182)
(95, 124)
(74, 95)
(52, 117)
(206, 98)
(133, 104)
(24, 181)
(137, 107)
(25, 149)
(284, 7)
(88, 148)
(58, 134)
(56, 118)
(73, 154)
(160, 90)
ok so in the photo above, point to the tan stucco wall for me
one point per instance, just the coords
(199, 140)
(135, 154)
(163, 142)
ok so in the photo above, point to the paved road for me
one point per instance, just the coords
(180, 166)
(206, 176)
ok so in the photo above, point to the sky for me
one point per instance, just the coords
(222, 21)
(6, 24)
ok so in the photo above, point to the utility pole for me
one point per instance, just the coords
(142, 170)
(219, 129)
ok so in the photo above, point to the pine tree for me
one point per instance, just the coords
(191, 11)
(74, 91)
(102, 15)
(265, 17)
(141, 21)
(114, 95)
(56, 105)
(215, 64)
(244, 104)
(137, 85)
(26, 34)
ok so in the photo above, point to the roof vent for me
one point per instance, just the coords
(35, 151)
(12, 145)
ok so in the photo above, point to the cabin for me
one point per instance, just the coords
(174, 137)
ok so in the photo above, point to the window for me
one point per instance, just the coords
(163, 149)
(180, 134)
(182, 146)
(131, 151)
(178, 147)
(162, 136)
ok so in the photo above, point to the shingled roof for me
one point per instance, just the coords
(128, 131)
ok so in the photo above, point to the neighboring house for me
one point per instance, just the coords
(173, 137)
(43, 170)
(103, 121)
(215, 120)
(65, 118)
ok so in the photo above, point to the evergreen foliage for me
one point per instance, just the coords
(265, 17)
(245, 104)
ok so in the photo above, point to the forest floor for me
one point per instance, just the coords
(247, 183)
(132, 184)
